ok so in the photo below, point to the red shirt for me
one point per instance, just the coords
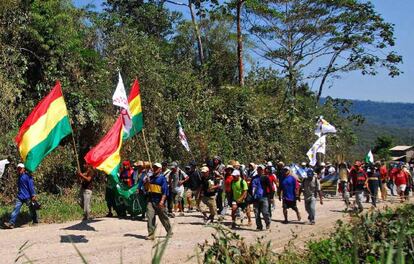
(393, 173)
(384, 173)
(401, 178)
(272, 179)
(227, 183)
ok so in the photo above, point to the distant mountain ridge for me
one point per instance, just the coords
(400, 115)
(383, 118)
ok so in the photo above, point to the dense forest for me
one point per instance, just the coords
(196, 66)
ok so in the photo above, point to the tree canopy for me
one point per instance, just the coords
(272, 116)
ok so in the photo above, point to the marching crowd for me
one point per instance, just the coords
(215, 189)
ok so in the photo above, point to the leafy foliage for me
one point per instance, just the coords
(43, 41)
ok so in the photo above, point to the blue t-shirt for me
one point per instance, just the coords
(156, 187)
(289, 188)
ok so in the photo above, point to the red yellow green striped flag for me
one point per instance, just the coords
(106, 155)
(134, 101)
(43, 129)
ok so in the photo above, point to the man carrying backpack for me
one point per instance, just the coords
(239, 189)
(259, 187)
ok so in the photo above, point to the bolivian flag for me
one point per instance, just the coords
(106, 155)
(134, 101)
(43, 129)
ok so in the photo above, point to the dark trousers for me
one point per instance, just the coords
(390, 185)
(373, 189)
(171, 201)
(262, 207)
(219, 201)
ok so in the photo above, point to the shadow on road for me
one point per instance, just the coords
(83, 226)
(73, 239)
(136, 236)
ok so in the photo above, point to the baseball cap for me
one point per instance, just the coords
(303, 164)
(229, 167)
(286, 168)
(158, 165)
(269, 164)
(236, 173)
(20, 165)
(173, 165)
(261, 166)
(204, 169)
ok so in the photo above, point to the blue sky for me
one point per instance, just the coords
(380, 87)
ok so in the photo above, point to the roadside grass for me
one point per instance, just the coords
(57, 208)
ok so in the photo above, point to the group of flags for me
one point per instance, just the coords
(49, 123)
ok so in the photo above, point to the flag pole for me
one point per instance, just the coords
(73, 138)
(146, 146)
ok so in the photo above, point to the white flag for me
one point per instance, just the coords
(323, 127)
(318, 147)
(3, 164)
(183, 137)
(120, 99)
(369, 158)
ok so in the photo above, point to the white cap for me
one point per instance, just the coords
(323, 164)
(303, 164)
(158, 165)
(269, 164)
(20, 165)
(205, 169)
(236, 173)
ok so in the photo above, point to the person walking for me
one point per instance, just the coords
(359, 180)
(374, 180)
(218, 172)
(259, 187)
(193, 182)
(344, 183)
(239, 189)
(207, 193)
(156, 188)
(384, 178)
(176, 189)
(401, 179)
(85, 194)
(289, 191)
(311, 188)
(26, 194)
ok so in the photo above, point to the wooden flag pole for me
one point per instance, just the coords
(73, 138)
(76, 152)
(146, 146)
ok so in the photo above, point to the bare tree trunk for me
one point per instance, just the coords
(240, 43)
(197, 31)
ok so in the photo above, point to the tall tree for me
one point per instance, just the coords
(317, 40)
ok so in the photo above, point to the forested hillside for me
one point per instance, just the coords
(189, 68)
(393, 119)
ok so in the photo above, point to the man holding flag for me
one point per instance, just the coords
(39, 135)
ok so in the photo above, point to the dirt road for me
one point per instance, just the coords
(107, 240)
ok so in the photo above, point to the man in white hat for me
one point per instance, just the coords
(157, 189)
(26, 195)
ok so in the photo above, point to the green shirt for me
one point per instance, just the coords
(238, 189)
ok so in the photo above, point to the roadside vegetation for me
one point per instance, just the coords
(377, 237)
(57, 208)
